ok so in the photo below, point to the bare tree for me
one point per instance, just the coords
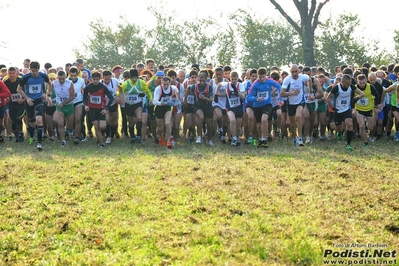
(306, 28)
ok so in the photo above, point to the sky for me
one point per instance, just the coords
(49, 31)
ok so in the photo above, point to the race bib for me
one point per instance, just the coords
(165, 99)
(15, 97)
(61, 99)
(363, 101)
(264, 95)
(234, 102)
(344, 102)
(95, 99)
(132, 99)
(190, 99)
(35, 89)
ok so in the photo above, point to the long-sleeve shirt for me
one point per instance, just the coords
(4, 93)
(94, 96)
(263, 90)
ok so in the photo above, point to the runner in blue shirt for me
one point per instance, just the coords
(31, 88)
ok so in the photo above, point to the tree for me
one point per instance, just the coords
(338, 42)
(309, 19)
(198, 40)
(108, 47)
(226, 49)
(164, 42)
(266, 42)
(396, 48)
(179, 42)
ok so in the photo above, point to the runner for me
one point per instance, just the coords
(366, 107)
(342, 99)
(260, 97)
(133, 92)
(198, 107)
(94, 101)
(4, 95)
(64, 94)
(322, 107)
(177, 110)
(152, 85)
(376, 133)
(220, 119)
(277, 101)
(31, 88)
(112, 85)
(79, 86)
(293, 88)
(166, 97)
(50, 109)
(16, 106)
(188, 104)
(249, 117)
(311, 94)
(235, 95)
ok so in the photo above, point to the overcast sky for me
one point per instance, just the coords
(48, 31)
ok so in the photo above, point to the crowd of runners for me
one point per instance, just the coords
(204, 105)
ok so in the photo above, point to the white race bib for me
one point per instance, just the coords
(363, 101)
(15, 97)
(190, 99)
(264, 95)
(132, 99)
(35, 89)
(61, 99)
(95, 99)
(344, 103)
(234, 102)
(165, 99)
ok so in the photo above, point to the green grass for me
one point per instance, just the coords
(132, 204)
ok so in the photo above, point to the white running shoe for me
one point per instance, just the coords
(199, 140)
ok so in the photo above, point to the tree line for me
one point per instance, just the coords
(244, 41)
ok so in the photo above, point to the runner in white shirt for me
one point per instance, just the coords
(79, 85)
(166, 97)
(220, 119)
(65, 93)
(177, 110)
(293, 88)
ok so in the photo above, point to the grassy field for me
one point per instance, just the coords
(131, 204)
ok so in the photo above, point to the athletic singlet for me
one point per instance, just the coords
(111, 86)
(132, 93)
(233, 101)
(367, 102)
(342, 100)
(79, 85)
(62, 91)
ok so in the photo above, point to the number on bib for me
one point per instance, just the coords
(363, 101)
(234, 102)
(61, 99)
(190, 99)
(35, 89)
(15, 97)
(264, 95)
(95, 99)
